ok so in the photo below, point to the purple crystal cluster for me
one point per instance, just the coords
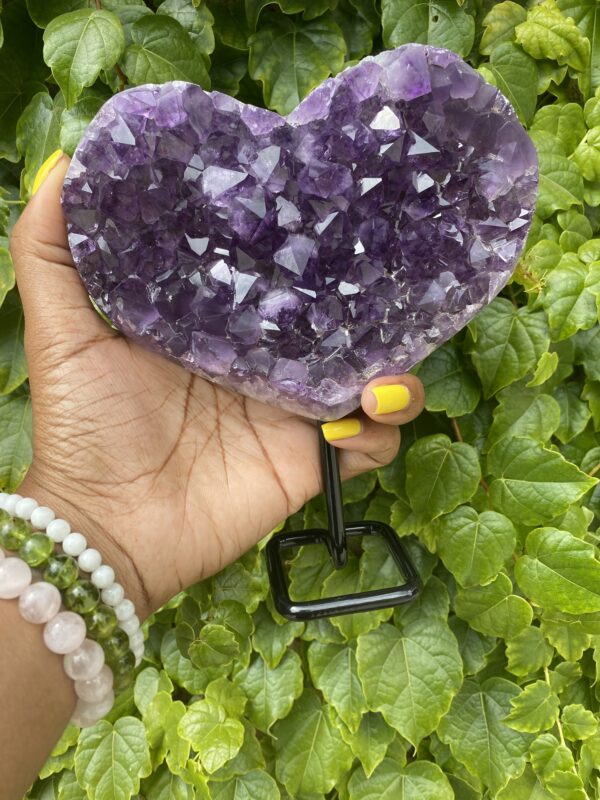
(294, 259)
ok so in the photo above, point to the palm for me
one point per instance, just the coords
(153, 448)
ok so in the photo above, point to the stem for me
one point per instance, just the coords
(592, 472)
(457, 431)
(98, 5)
(559, 726)
(122, 77)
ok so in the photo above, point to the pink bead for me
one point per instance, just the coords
(39, 602)
(87, 714)
(96, 689)
(15, 576)
(85, 662)
(65, 632)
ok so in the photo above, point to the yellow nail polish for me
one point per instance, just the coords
(45, 170)
(391, 397)
(341, 429)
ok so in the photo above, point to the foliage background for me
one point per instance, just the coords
(487, 686)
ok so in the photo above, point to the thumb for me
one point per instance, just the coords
(54, 298)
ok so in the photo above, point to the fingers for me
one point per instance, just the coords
(371, 438)
(54, 298)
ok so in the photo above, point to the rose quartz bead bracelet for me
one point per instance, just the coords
(65, 631)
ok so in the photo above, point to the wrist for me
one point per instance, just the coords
(127, 571)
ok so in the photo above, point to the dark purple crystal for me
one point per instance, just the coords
(292, 260)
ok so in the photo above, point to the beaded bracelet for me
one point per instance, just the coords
(97, 667)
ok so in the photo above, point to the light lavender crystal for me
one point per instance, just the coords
(292, 260)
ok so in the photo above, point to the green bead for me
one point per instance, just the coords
(101, 622)
(121, 682)
(82, 597)
(116, 645)
(13, 533)
(36, 550)
(123, 664)
(62, 571)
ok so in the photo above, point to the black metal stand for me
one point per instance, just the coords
(336, 541)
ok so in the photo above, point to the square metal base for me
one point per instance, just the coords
(341, 604)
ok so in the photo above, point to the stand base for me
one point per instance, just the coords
(346, 603)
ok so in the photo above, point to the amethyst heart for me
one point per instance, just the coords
(292, 260)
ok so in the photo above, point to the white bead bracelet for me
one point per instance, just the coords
(64, 630)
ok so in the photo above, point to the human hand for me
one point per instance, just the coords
(168, 475)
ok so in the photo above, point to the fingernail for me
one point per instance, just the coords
(46, 169)
(341, 429)
(391, 397)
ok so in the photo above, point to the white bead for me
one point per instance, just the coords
(58, 530)
(87, 714)
(74, 544)
(138, 647)
(95, 689)
(138, 660)
(39, 602)
(131, 624)
(136, 637)
(65, 632)
(25, 507)
(15, 577)
(103, 576)
(41, 517)
(124, 610)
(2, 556)
(3, 498)
(85, 662)
(89, 560)
(113, 595)
(10, 503)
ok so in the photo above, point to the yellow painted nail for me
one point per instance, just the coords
(46, 169)
(391, 397)
(341, 429)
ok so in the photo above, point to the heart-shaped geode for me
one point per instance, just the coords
(292, 260)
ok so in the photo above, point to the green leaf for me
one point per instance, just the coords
(358, 24)
(43, 11)
(255, 7)
(38, 131)
(533, 484)
(311, 756)
(441, 23)
(272, 640)
(147, 685)
(507, 344)
(453, 470)
(478, 737)
(419, 780)
(578, 722)
(587, 18)
(566, 786)
(215, 647)
(291, 58)
(228, 67)
(523, 413)
(449, 385)
(528, 652)
(333, 671)
(111, 759)
(568, 634)
(548, 34)
(227, 694)
(548, 756)
(473, 646)
(197, 21)
(370, 742)
(568, 302)
(22, 71)
(494, 609)
(500, 23)
(214, 736)
(574, 413)
(534, 710)
(15, 435)
(271, 692)
(162, 51)
(234, 582)
(254, 784)
(79, 45)
(525, 787)
(75, 120)
(474, 547)
(13, 366)
(560, 183)
(180, 669)
(163, 785)
(426, 673)
(559, 571)
(516, 75)
(546, 367)
(250, 756)
(161, 718)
